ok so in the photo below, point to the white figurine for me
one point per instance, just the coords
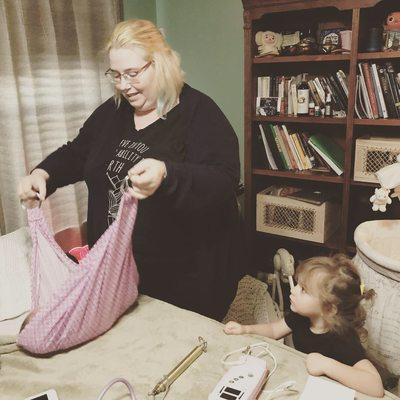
(283, 269)
(380, 199)
(268, 43)
(389, 178)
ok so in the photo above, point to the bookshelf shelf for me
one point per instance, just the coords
(300, 120)
(305, 58)
(301, 175)
(332, 243)
(379, 55)
(366, 184)
(377, 122)
(291, 15)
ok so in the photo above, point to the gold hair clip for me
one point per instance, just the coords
(362, 288)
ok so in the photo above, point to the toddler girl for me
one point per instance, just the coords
(326, 320)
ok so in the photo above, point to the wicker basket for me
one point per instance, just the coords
(294, 218)
(372, 154)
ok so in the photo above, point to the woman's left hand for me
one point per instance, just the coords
(146, 177)
(317, 364)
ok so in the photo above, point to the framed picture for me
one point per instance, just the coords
(267, 106)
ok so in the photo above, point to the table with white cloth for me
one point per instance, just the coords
(144, 345)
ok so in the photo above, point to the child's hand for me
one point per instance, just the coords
(317, 364)
(233, 328)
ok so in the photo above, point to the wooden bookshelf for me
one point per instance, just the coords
(379, 55)
(300, 120)
(331, 244)
(300, 175)
(302, 59)
(377, 122)
(366, 184)
(277, 16)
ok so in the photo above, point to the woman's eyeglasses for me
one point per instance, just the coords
(130, 76)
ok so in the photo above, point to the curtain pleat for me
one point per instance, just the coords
(51, 79)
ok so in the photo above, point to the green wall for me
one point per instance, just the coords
(208, 34)
(143, 9)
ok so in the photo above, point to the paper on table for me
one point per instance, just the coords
(317, 388)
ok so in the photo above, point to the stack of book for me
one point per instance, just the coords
(279, 148)
(282, 90)
(377, 91)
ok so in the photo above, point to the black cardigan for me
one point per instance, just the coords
(186, 240)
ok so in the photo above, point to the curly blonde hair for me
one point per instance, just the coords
(169, 77)
(340, 292)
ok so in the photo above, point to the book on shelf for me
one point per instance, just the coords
(260, 159)
(292, 150)
(284, 148)
(395, 88)
(329, 150)
(281, 161)
(387, 92)
(366, 103)
(343, 81)
(286, 88)
(268, 151)
(377, 91)
(367, 76)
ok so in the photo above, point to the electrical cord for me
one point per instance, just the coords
(111, 383)
(280, 388)
(248, 351)
(128, 385)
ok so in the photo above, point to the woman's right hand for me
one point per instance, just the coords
(234, 328)
(32, 187)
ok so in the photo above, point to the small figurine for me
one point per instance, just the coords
(380, 199)
(393, 21)
(290, 43)
(328, 46)
(307, 44)
(330, 40)
(268, 43)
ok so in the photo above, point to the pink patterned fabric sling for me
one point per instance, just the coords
(73, 303)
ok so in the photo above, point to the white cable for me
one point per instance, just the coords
(247, 350)
(280, 388)
(111, 383)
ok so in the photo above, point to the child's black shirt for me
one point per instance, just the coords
(346, 349)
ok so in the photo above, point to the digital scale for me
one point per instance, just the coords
(243, 381)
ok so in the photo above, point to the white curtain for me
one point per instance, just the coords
(51, 78)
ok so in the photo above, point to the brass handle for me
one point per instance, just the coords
(168, 379)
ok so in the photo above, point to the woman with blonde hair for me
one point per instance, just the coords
(181, 157)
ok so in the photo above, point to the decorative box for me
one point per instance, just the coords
(372, 154)
(289, 217)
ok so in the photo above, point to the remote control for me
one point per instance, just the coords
(242, 382)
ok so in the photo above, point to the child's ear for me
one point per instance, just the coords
(331, 309)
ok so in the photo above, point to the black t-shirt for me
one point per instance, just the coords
(187, 236)
(345, 349)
